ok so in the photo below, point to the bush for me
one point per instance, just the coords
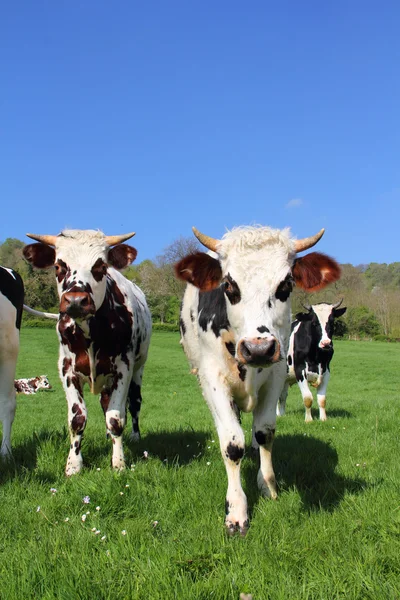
(362, 322)
(165, 327)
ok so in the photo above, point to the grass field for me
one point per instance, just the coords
(333, 533)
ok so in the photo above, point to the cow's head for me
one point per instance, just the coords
(257, 268)
(81, 259)
(321, 317)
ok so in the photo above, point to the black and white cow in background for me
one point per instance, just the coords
(310, 354)
(104, 329)
(11, 302)
(235, 327)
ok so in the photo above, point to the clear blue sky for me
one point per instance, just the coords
(156, 116)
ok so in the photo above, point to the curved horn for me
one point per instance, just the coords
(337, 304)
(207, 241)
(50, 240)
(308, 242)
(113, 240)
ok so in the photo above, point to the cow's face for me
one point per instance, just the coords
(322, 317)
(81, 260)
(257, 269)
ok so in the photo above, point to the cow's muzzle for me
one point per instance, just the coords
(258, 352)
(326, 345)
(78, 305)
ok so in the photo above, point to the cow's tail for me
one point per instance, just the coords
(39, 313)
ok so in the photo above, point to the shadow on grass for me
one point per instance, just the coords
(308, 465)
(24, 455)
(338, 413)
(174, 447)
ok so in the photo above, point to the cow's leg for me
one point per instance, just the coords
(77, 417)
(281, 406)
(306, 395)
(321, 394)
(264, 422)
(7, 403)
(135, 402)
(115, 413)
(231, 440)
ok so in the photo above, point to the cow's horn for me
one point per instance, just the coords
(113, 240)
(337, 304)
(50, 240)
(308, 242)
(206, 240)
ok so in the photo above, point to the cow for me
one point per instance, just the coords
(32, 385)
(235, 327)
(11, 302)
(104, 329)
(310, 354)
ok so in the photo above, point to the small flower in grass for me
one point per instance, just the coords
(83, 518)
(208, 464)
(145, 454)
(154, 523)
(86, 500)
(123, 532)
(88, 512)
(333, 427)
(97, 507)
(357, 464)
(66, 519)
(93, 528)
(103, 537)
(97, 532)
(127, 485)
(98, 469)
(38, 509)
(53, 491)
(121, 493)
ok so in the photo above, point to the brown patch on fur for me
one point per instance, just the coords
(121, 256)
(67, 362)
(315, 271)
(105, 400)
(201, 270)
(39, 255)
(322, 403)
(116, 427)
(307, 402)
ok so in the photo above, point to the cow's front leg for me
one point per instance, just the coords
(231, 440)
(7, 403)
(264, 423)
(321, 394)
(135, 402)
(114, 405)
(281, 406)
(306, 395)
(77, 417)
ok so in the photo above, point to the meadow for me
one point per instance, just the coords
(155, 531)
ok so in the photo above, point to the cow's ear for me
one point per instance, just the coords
(201, 270)
(39, 255)
(303, 316)
(315, 271)
(338, 312)
(121, 256)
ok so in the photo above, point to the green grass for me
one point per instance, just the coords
(333, 533)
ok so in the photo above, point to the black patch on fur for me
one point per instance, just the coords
(182, 326)
(265, 438)
(12, 287)
(263, 329)
(231, 289)
(289, 360)
(134, 404)
(212, 310)
(234, 453)
(230, 346)
(285, 288)
(242, 372)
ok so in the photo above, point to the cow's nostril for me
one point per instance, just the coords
(271, 350)
(245, 351)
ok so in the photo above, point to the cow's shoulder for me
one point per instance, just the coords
(212, 313)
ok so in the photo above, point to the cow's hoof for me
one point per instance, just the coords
(134, 437)
(72, 470)
(267, 488)
(118, 465)
(233, 527)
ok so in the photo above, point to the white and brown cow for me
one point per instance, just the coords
(235, 326)
(11, 301)
(32, 385)
(310, 354)
(104, 328)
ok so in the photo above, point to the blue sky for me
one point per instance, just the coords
(153, 117)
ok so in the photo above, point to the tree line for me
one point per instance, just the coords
(371, 292)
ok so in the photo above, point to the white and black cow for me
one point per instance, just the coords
(11, 301)
(104, 329)
(310, 354)
(32, 385)
(235, 327)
